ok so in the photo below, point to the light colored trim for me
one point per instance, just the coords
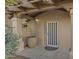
(47, 34)
(57, 34)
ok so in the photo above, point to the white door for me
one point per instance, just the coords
(52, 34)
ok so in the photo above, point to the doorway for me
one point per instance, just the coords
(52, 34)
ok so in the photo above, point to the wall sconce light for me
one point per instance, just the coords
(36, 20)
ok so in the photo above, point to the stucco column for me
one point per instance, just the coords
(15, 27)
(19, 29)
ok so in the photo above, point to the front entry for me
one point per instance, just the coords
(52, 34)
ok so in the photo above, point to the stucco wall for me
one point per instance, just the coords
(64, 27)
(30, 30)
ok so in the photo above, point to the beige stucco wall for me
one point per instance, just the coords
(64, 27)
(37, 28)
(29, 30)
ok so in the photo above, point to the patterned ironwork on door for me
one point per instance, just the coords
(52, 34)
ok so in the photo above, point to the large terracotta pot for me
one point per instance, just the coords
(32, 42)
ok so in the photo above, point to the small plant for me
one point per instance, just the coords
(11, 43)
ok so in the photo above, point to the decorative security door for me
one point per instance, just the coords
(52, 34)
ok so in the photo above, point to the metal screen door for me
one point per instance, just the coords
(52, 39)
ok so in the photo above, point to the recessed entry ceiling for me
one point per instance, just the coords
(34, 7)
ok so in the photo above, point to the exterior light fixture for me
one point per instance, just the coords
(36, 20)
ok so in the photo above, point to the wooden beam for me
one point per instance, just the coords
(34, 1)
(13, 8)
(57, 1)
(48, 1)
(23, 15)
(67, 6)
(26, 3)
(39, 10)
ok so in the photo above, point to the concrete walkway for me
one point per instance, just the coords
(37, 52)
(40, 53)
